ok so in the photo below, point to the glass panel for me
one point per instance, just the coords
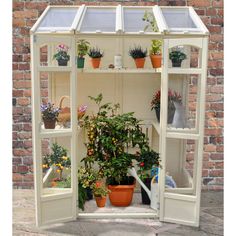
(55, 89)
(181, 157)
(102, 19)
(58, 18)
(133, 20)
(183, 102)
(178, 19)
(56, 164)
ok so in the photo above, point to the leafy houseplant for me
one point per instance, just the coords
(57, 159)
(61, 55)
(100, 192)
(156, 45)
(82, 50)
(138, 54)
(176, 56)
(96, 55)
(109, 136)
(156, 104)
(49, 115)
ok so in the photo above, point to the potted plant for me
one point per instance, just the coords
(100, 192)
(156, 45)
(156, 104)
(57, 160)
(49, 115)
(176, 56)
(82, 50)
(138, 54)
(62, 55)
(96, 55)
(146, 161)
(109, 136)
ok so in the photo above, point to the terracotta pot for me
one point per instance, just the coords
(101, 201)
(95, 62)
(121, 195)
(139, 62)
(49, 124)
(156, 61)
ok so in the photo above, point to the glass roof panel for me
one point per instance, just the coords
(133, 19)
(178, 19)
(99, 19)
(58, 18)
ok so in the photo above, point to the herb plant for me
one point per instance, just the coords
(137, 52)
(82, 48)
(95, 53)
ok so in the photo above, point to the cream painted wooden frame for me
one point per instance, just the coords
(180, 205)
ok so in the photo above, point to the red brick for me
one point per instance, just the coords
(22, 169)
(23, 101)
(214, 98)
(27, 144)
(208, 165)
(17, 93)
(217, 3)
(200, 11)
(36, 5)
(215, 132)
(216, 38)
(25, 14)
(29, 178)
(199, 3)
(28, 161)
(209, 148)
(16, 160)
(220, 12)
(220, 148)
(17, 177)
(216, 72)
(211, 12)
(216, 173)
(217, 106)
(214, 29)
(27, 93)
(24, 66)
(18, 22)
(24, 135)
(219, 165)
(21, 152)
(204, 173)
(217, 21)
(18, 5)
(21, 84)
(217, 89)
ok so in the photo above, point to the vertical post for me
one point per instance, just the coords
(163, 123)
(35, 82)
(74, 126)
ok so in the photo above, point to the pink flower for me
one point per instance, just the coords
(83, 108)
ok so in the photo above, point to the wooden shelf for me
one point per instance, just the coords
(184, 71)
(55, 68)
(120, 71)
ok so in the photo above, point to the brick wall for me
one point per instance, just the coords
(25, 14)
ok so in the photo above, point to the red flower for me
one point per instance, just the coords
(141, 164)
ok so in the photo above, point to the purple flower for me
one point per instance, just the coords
(83, 108)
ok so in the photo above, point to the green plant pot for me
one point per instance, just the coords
(80, 62)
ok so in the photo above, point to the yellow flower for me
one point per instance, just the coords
(58, 171)
(64, 158)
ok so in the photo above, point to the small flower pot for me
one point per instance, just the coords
(156, 60)
(101, 201)
(62, 62)
(49, 124)
(139, 62)
(176, 63)
(80, 62)
(95, 62)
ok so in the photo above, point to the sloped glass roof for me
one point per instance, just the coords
(118, 19)
(58, 19)
(99, 19)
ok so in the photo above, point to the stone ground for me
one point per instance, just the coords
(211, 221)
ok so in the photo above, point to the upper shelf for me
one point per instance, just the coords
(102, 70)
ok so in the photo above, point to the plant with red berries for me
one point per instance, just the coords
(146, 160)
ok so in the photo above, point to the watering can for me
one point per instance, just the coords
(153, 194)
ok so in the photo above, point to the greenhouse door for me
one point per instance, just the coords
(55, 183)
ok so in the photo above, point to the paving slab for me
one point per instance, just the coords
(211, 221)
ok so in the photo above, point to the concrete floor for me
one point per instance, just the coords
(211, 221)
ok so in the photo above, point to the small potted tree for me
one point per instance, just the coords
(62, 55)
(176, 57)
(95, 54)
(156, 45)
(82, 50)
(139, 55)
(58, 161)
(49, 115)
(109, 136)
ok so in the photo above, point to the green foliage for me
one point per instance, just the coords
(177, 55)
(58, 158)
(156, 47)
(62, 53)
(100, 190)
(49, 112)
(150, 19)
(64, 183)
(137, 52)
(82, 48)
(109, 136)
(82, 196)
(95, 53)
(146, 160)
